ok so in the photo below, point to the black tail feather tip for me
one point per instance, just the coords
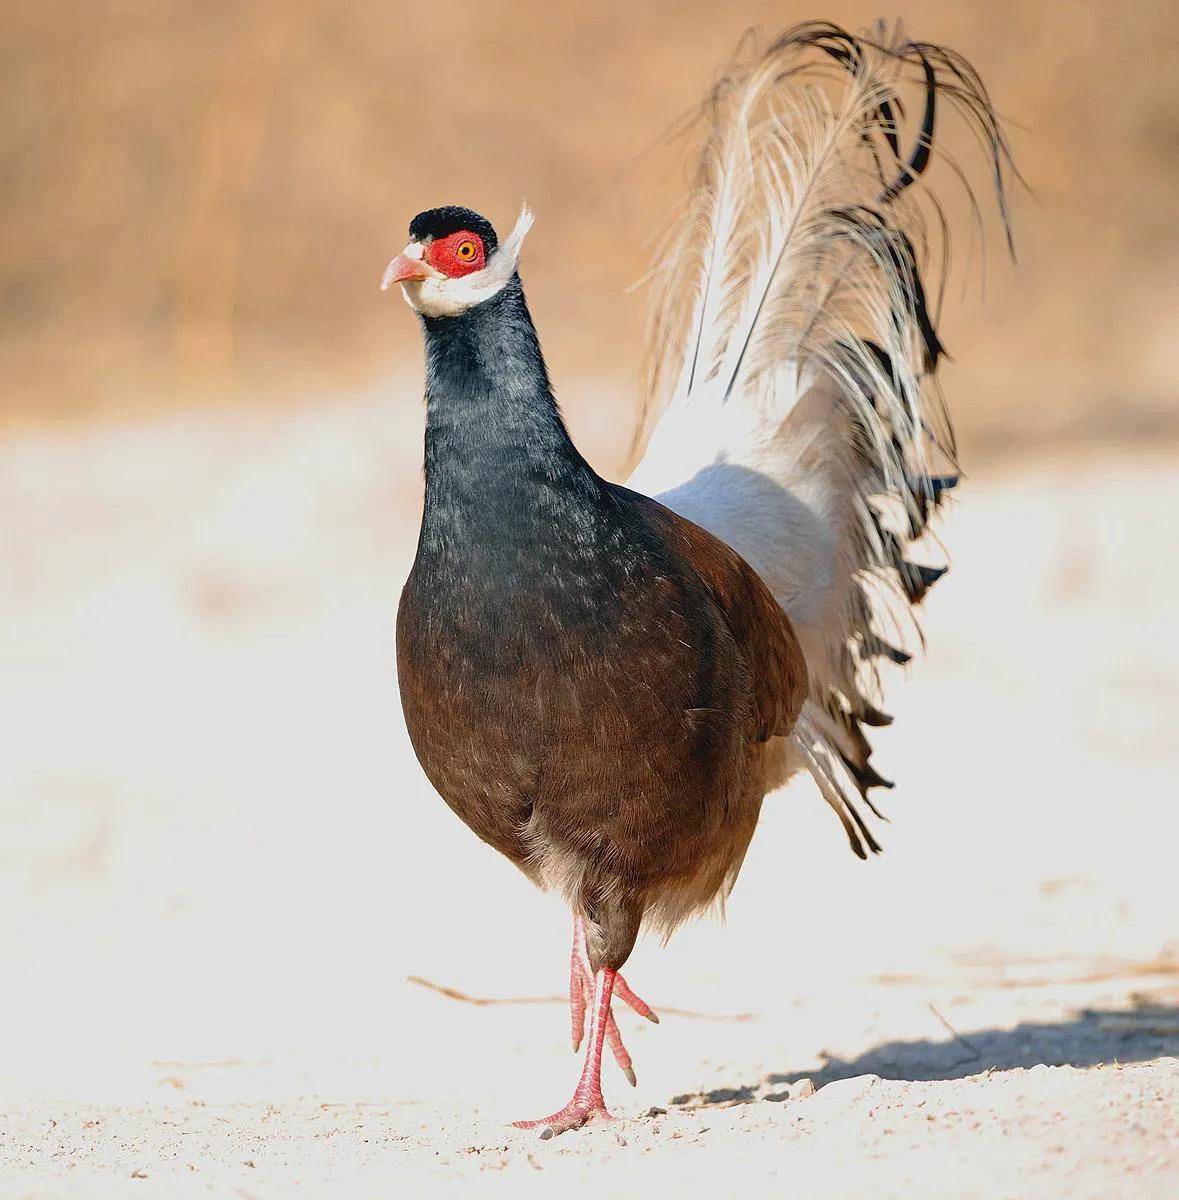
(876, 647)
(869, 715)
(918, 579)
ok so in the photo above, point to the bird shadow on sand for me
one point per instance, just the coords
(1093, 1037)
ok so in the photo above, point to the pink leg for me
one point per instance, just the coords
(587, 1102)
(581, 979)
(578, 983)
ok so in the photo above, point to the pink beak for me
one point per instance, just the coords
(402, 269)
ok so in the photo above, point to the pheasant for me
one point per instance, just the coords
(604, 682)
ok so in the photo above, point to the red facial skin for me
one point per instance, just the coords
(451, 256)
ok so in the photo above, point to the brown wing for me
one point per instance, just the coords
(755, 618)
(759, 624)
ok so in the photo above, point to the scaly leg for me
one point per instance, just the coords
(581, 982)
(587, 1102)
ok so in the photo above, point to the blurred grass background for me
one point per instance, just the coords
(197, 199)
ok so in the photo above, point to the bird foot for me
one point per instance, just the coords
(575, 1114)
(587, 1103)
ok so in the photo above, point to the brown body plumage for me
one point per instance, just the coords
(609, 734)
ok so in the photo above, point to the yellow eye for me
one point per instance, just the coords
(466, 251)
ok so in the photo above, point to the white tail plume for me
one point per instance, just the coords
(793, 348)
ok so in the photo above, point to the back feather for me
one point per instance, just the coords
(793, 353)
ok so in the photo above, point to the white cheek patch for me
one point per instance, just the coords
(441, 296)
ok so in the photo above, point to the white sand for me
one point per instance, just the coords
(219, 863)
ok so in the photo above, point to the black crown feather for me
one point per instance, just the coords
(450, 218)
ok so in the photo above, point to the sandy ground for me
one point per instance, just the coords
(219, 866)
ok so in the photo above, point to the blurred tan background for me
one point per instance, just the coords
(196, 199)
(219, 861)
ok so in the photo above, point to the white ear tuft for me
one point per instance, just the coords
(506, 259)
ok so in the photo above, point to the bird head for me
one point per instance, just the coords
(454, 260)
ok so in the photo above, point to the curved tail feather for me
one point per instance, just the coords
(793, 354)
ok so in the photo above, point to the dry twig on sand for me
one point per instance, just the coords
(486, 1001)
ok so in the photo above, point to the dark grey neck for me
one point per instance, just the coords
(500, 466)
